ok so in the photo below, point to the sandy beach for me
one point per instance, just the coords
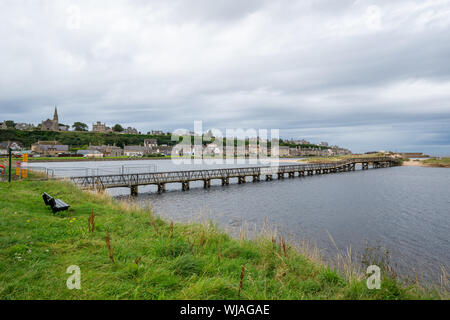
(415, 163)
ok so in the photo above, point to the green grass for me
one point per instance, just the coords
(152, 260)
(442, 162)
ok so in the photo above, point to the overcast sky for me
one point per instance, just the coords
(367, 75)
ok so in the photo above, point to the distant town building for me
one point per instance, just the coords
(163, 149)
(136, 151)
(51, 125)
(24, 126)
(253, 149)
(49, 148)
(15, 146)
(323, 144)
(100, 127)
(130, 130)
(3, 125)
(299, 142)
(90, 153)
(284, 151)
(108, 151)
(4, 149)
(414, 155)
(337, 151)
(294, 152)
(183, 149)
(213, 149)
(151, 143)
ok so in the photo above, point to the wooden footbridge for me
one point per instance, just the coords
(160, 179)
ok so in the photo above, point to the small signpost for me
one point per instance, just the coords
(18, 168)
(25, 161)
(10, 165)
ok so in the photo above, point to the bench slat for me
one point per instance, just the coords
(61, 204)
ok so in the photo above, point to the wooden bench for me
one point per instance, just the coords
(55, 204)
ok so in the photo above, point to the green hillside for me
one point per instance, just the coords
(79, 139)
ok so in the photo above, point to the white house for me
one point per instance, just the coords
(90, 153)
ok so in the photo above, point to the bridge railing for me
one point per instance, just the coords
(103, 181)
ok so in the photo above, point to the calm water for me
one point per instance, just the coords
(404, 209)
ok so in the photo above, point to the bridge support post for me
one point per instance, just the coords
(301, 173)
(291, 174)
(225, 181)
(134, 191)
(269, 177)
(256, 178)
(365, 166)
(185, 185)
(241, 180)
(161, 187)
(280, 175)
(207, 183)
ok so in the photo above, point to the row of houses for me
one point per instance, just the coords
(151, 147)
(54, 148)
(103, 128)
(18, 126)
(255, 150)
(316, 152)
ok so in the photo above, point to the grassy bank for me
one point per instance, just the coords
(81, 139)
(150, 258)
(339, 158)
(434, 162)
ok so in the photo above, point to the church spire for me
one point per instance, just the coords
(55, 116)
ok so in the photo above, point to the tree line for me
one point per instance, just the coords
(78, 139)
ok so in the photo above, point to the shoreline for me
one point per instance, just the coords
(410, 163)
(421, 163)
